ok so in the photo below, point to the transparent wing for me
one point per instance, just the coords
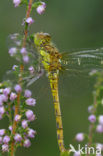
(28, 80)
(31, 79)
(9, 75)
(14, 40)
(83, 61)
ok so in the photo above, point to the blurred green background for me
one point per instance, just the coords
(72, 24)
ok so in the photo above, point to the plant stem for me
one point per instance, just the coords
(91, 127)
(26, 26)
(17, 106)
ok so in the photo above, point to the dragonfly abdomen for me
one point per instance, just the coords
(53, 77)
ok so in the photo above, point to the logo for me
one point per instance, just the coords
(85, 150)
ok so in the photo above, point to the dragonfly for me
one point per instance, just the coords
(54, 63)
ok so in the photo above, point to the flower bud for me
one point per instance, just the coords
(16, 2)
(92, 118)
(80, 137)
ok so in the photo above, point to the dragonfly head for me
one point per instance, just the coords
(42, 39)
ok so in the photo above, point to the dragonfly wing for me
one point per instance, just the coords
(87, 59)
(14, 40)
(28, 80)
(31, 79)
(82, 62)
(88, 51)
(10, 78)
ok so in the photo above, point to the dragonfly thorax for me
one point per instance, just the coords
(49, 55)
(51, 61)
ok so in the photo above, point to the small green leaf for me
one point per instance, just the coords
(65, 153)
(24, 2)
(36, 4)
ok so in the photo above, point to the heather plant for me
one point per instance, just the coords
(15, 99)
(94, 146)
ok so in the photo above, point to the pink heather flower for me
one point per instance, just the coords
(29, 20)
(12, 51)
(24, 124)
(4, 98)
(17, 118)
(90, 109)
(31, 133)
(1, 139)
(31, 102)
(13, 96)
(5, 148)
(26, 59)
(32, 118)
(101, 119)
(2, 110)
(18, 88)
(17, 137)
(77, 153)
(6, 139)
(27, 143)
(14, 67)
(23, 51)
(80, 137)
(92, 118)
(100, 146)
(27, 93)
(2, 132)
(10, 128)
(31, 69)
(99, 128)
(98, 154)
(29, 114)
(6, 91)
(41, 8)
(16, 2)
